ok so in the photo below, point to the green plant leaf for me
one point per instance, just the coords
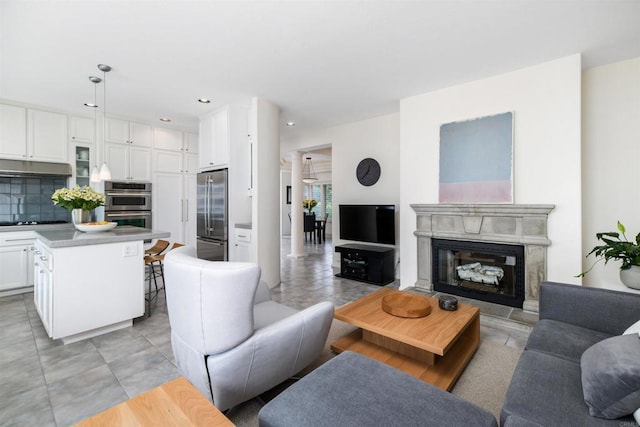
(621, 227)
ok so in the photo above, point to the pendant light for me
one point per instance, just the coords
(105, 173)
(95, 174)
(308, 177)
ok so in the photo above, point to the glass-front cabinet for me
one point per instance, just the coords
(82, 163)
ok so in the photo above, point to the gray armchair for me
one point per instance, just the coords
(229, 339)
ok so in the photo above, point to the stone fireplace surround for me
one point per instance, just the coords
(524, 225)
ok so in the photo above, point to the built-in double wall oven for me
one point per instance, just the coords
(128, 203)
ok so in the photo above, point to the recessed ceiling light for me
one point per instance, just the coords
(90, 104)
(290, 124)
(164, 119)
(203, 100)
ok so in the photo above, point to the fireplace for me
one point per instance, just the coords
(485, 271)
(506, 225)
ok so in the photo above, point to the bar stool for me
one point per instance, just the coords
(153, 261)
(157, 249)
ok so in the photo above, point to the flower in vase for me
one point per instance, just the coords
(309, 204)
(85, 198)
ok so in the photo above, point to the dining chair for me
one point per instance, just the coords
(310, 226)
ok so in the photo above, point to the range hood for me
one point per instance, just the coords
(27, 168)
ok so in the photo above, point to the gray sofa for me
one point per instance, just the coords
(547, 386)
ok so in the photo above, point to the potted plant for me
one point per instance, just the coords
(79, 201)
(617, 246)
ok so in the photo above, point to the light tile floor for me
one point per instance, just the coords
(45, 383)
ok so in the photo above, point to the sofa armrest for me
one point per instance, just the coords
(598, 309)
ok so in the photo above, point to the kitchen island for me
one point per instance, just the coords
(87, 284)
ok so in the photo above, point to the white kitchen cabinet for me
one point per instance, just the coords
(82, 129)
(79, 294)
(167, 139)
(189, 163)
(16, 259)
(128, 162)
(191, 143)
(189, 205)
(27, 134)
(242, 247)
(82, 162)
(13, 131)
(167, 161)
(126, 132)
(174, 162)
(174, 205)
(214, 140)
(47, 136)
(43, 286)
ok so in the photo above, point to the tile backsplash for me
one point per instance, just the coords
(29, 199)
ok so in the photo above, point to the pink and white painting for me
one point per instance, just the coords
(476, 160)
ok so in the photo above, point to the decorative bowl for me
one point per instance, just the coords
(95, 228)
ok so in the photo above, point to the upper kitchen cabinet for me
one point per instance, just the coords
(47, 136)
(167, 139)
(27, 134)
(191, 142)
(13, 131)
(214, 139)
(82, 129)
(125, 132)
(128, 162)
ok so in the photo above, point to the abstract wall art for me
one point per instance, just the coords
(476, 160)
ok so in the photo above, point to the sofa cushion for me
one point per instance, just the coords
(547, 390)
(516, 421)
(354, 390)
(611, 376)
(562, 339)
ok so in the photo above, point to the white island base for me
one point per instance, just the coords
(86, 288)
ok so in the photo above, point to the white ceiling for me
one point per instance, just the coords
(324, 63)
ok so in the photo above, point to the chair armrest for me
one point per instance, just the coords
(598, 309)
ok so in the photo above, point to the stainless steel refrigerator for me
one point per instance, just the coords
(213, 213)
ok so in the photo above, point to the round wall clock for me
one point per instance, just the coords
(368, 171)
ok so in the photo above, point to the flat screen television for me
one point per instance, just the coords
(368, 223)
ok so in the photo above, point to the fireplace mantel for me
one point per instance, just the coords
(497, 223)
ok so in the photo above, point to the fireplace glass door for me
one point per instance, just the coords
(485, 271)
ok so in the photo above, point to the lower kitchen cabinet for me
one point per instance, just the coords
(16, 260)
(83, 291)
(242, 248)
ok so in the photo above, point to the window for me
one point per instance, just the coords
(323, 194)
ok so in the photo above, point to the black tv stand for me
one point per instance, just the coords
(366, 263)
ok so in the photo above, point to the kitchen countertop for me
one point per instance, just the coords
(35, 227)
(70, 237)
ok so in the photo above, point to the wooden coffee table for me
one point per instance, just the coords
(176, 403)
(435, 348)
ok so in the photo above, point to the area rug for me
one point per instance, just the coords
(484, 382)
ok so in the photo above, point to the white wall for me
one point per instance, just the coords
(350, 143)
(611, 159)
(546, 103)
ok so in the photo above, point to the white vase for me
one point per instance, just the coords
(631, 277)
(80, 216)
